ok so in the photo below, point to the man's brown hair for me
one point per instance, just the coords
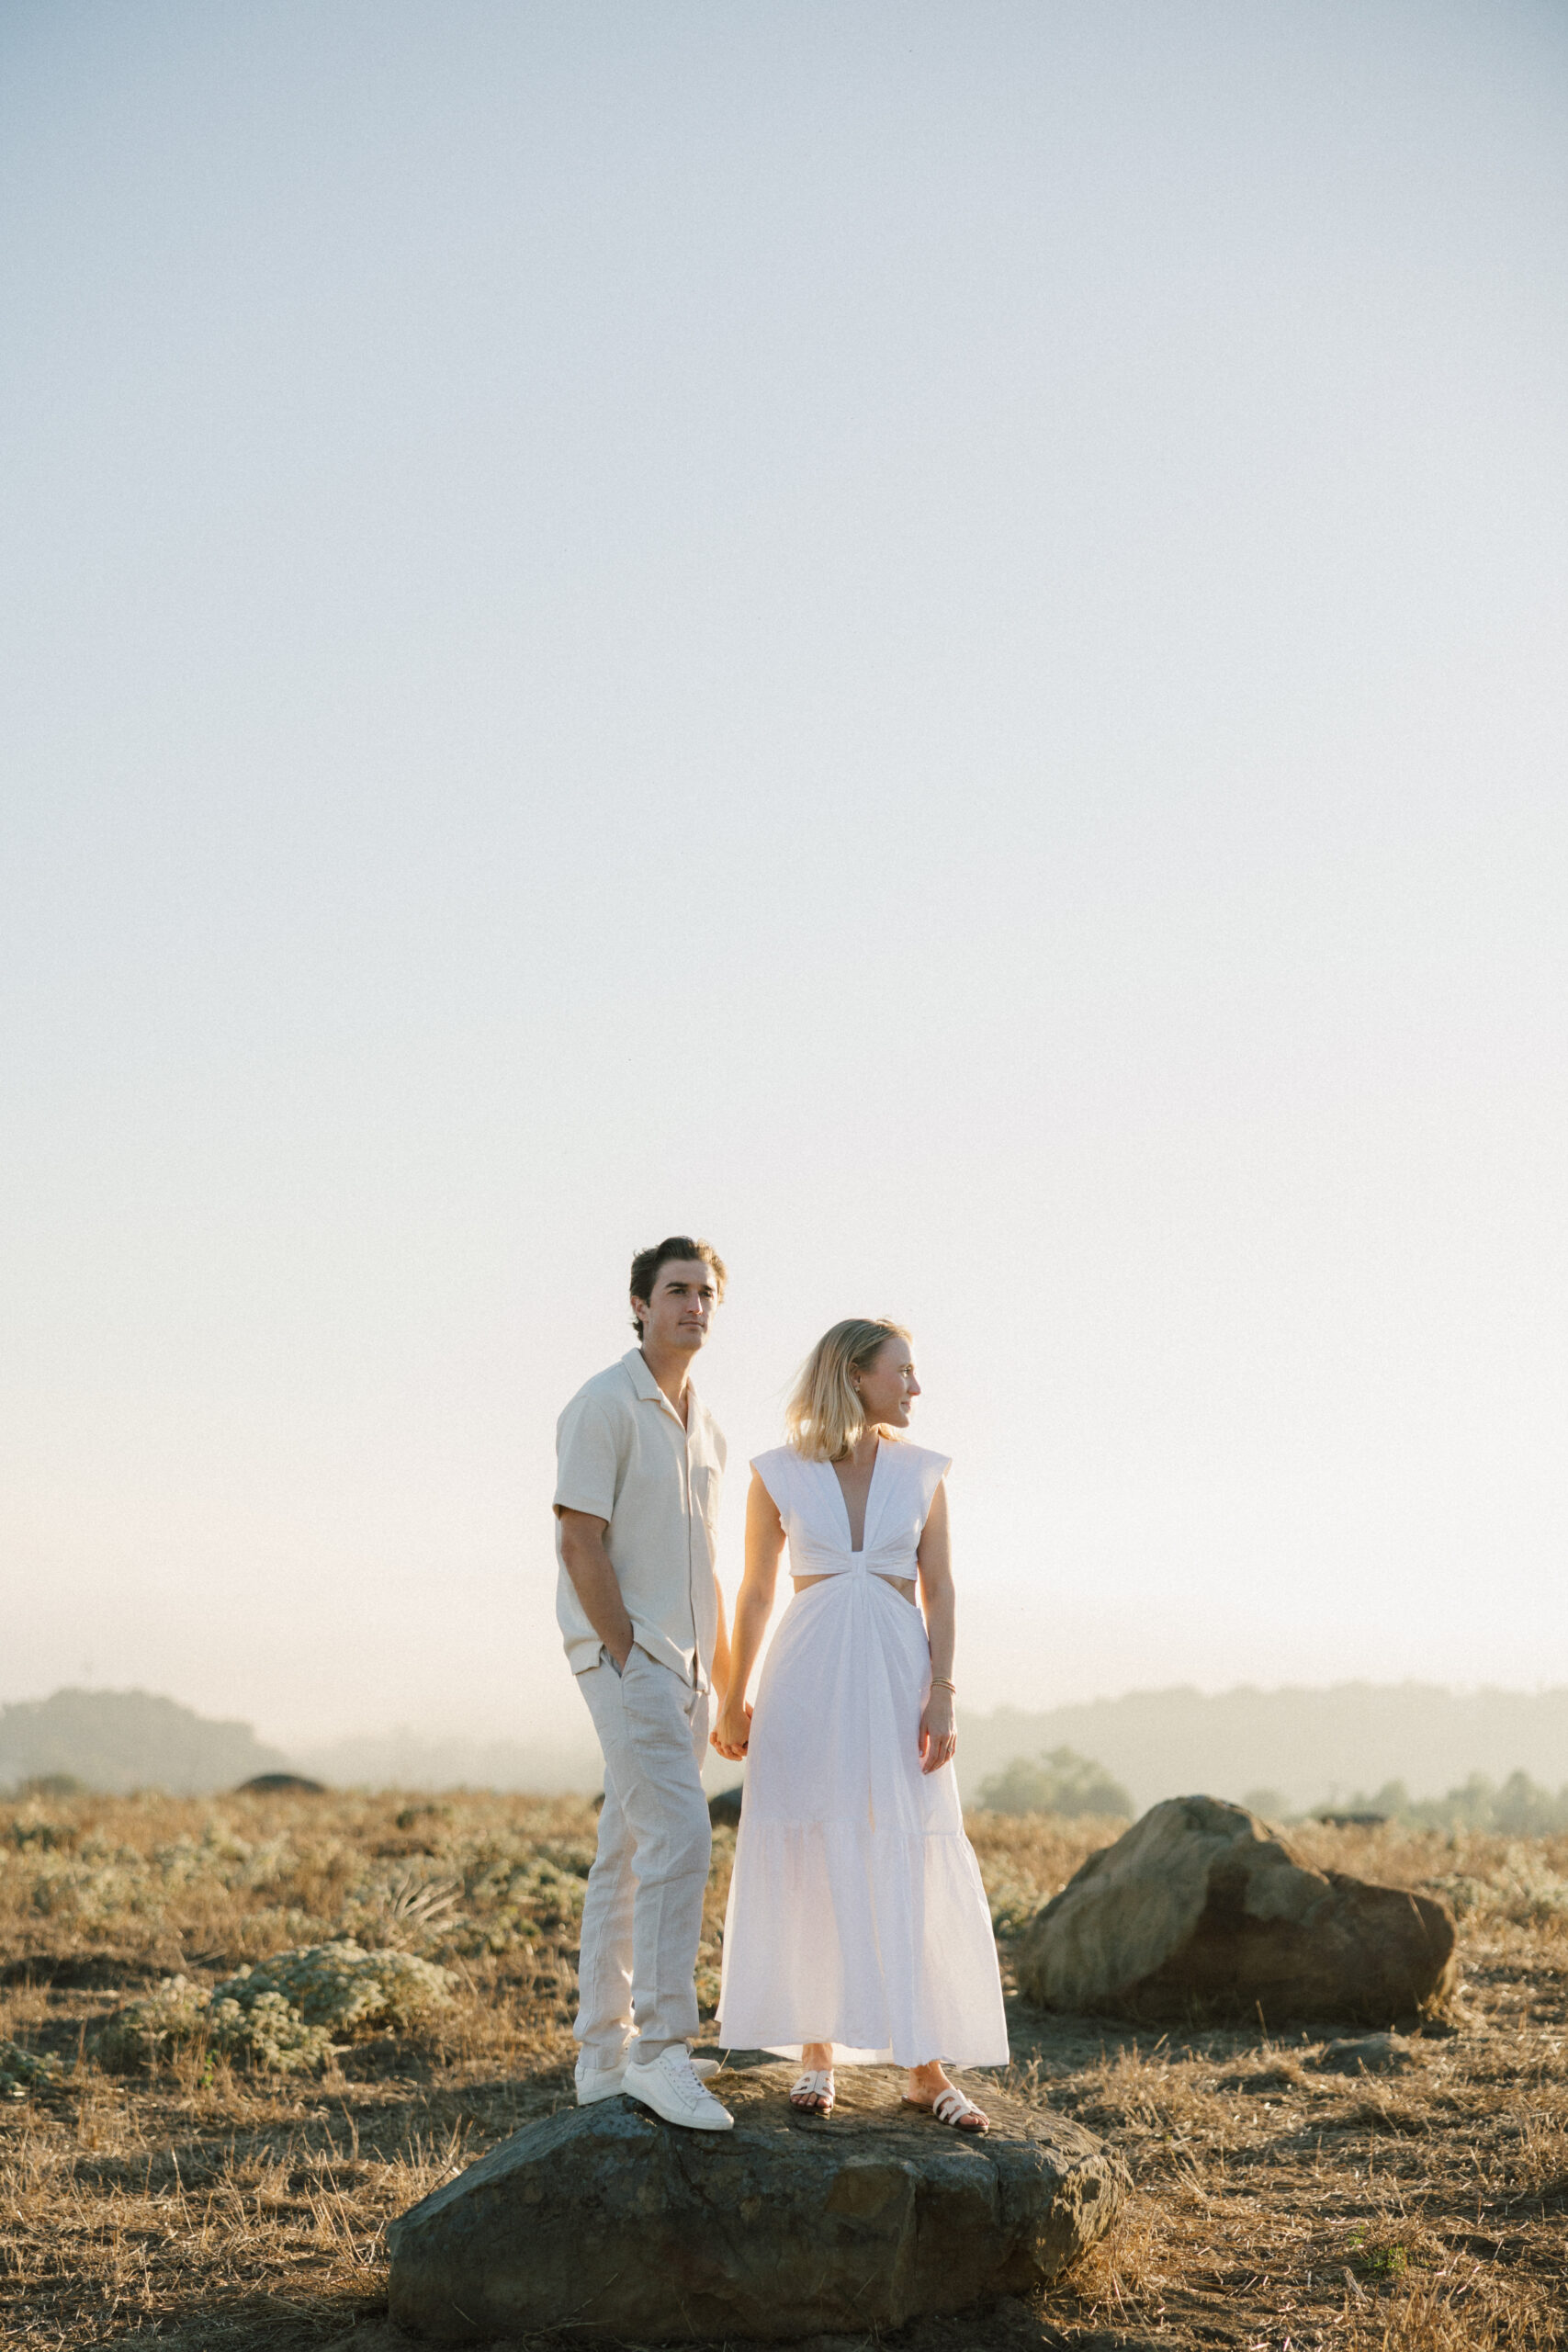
(646, 1265)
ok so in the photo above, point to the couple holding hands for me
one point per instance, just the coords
(858, 1930)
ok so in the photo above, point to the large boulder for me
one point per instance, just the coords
(606, 2220)
(1200, 1910)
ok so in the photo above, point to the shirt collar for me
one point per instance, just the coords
(648, 1389)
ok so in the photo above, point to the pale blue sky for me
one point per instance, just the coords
(930, 639)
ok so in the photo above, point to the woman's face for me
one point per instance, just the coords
(887, 1385)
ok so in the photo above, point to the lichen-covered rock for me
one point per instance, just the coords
(605, 2220)
(1368, 2054)
(1200, 1910)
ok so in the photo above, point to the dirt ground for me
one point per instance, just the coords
(195, 2198)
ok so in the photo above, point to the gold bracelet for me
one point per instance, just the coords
(940, 1682)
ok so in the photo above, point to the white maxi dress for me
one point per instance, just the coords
(856, 1912)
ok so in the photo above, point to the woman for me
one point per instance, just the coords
(858, 1927)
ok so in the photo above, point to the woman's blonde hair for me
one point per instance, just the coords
(824, 1416)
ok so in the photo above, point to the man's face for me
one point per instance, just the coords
(679, 1313)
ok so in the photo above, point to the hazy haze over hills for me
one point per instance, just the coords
(1310, 1745)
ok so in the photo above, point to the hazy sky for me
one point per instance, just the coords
(927, 640)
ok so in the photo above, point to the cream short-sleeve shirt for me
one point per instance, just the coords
(622, 1455)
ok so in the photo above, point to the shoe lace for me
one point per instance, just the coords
(685, 2077)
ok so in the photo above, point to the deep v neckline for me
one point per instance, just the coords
(857, 1551)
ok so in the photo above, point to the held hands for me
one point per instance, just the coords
(732, 1733)
(938, 1740)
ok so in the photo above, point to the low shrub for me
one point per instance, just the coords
(343, 1987)
(1522, 1890)
(281, 2017)
(270, 2034)
(22, 2071)
(1013, 1903)
(172, 2013)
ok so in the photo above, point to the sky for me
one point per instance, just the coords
(926, 640)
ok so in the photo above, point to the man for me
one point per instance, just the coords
(640, 1461)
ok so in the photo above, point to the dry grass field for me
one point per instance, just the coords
(163, 2181)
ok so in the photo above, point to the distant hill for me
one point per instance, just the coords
(119, 1740)
(1311, 1747)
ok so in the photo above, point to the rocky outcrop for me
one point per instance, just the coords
(1202, 1911)
(604, 2221)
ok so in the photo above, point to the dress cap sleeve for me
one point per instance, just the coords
(773, 1469)
(933, 1469)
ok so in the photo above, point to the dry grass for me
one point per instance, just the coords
(1277, 2203)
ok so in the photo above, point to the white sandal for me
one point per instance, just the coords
(812, 2093)
(951, 2107)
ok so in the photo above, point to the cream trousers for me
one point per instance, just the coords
(643, 1915)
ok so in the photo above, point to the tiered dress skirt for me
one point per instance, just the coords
(857, 1915)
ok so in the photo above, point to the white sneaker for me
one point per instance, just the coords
(594, 2083)
(671, 2086)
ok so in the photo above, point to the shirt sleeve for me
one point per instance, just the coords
(587, 1459)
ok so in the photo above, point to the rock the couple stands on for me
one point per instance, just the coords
(858, 1928)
